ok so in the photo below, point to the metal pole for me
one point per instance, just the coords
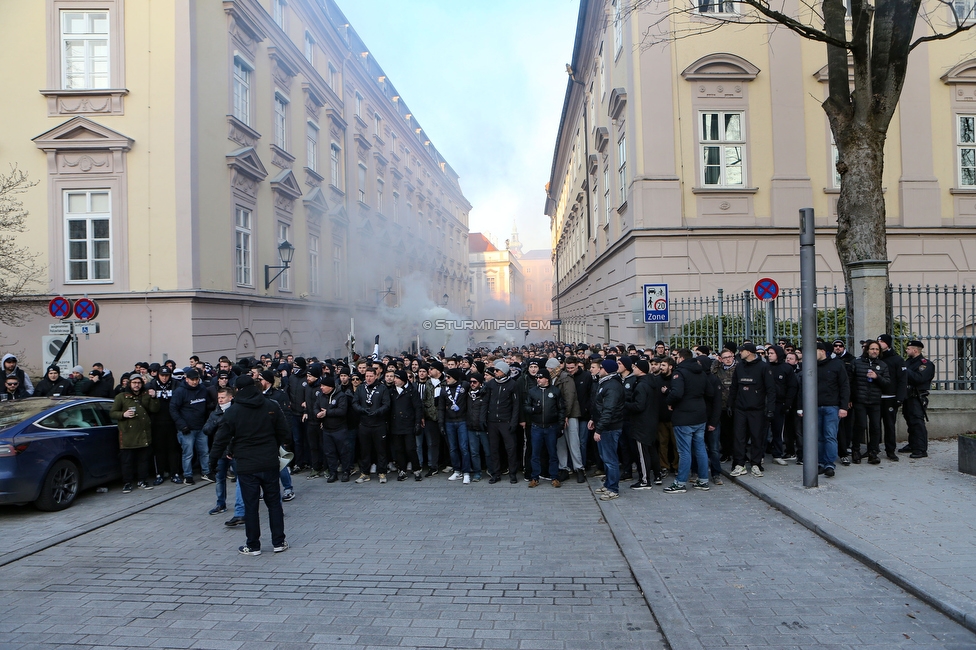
(770, 322)
(721, 319)
(747, 305)
(808, 333)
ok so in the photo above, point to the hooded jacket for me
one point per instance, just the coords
(584, 387)
(504, 401)
(256, 426)
(608, 404)
(688, 393)
(18, 372)
(641, 408)
(784, 378)
(753, 388)
(477, 409)
(190, 407)
(48, 388)
(897, 368)
(134, 433)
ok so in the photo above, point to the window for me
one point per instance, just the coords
(396, 207)
(379, 195)
(964, 10)
(359, 105)
(284, 235)
(596, 201)
(723, 148)
(243, 246)
(279, 13)
(333, 77)
(313, 265)
(966, 145)
(309, 48)
(242, 90)
(335, 161)
(88, 246)
(84, 50)
(622, 168)
(362, 183)
(312, 146)
(393, 143)
(376, 124)
(337, 269)
(606, 195)
(716, 7)
(618, 31)
(281, 122)
(490, 284)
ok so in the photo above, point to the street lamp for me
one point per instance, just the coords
(286, 252)
(381, 295)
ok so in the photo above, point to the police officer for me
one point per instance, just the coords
(920, 372)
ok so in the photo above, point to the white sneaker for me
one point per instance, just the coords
(467, 479)
(738, 470)
(779, 461)
(455, 476)
(756, 471)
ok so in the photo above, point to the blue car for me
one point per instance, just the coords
(51, 449)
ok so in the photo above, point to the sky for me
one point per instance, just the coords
(486, 81)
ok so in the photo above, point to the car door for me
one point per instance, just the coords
(82, 428)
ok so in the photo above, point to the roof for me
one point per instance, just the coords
(478, 243)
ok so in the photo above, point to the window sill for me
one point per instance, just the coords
(281, 157)
(241, 133)
(622, 208)
(962, 190)
(314, 174)
(87, 282)
(724, 190)
(335, 189)
(86, 101)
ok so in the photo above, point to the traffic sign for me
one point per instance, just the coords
(59, 329)
(556, 321)
(89, 328)
(59, 307)
(656, 303)
(86, 309)
(767, 289)
(50, 345)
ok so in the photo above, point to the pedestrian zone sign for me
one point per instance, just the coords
(656, 303)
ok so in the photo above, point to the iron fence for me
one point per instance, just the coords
(943, 318)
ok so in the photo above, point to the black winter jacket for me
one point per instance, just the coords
(641, 407)
(784, 378)
(477, 409)
(256, 426)
(372, 403)
(48, 388)
(753, 387)
(407, 411)
(454, 397)
(921, 372)
(190, 407)
(336, 407)
(866, 390)
(897, 371)
(689, 394)
(608, 404)
(544, 406)
(833, 387)
(584, 389)
(504, 404)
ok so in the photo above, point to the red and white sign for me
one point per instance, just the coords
(767, 289)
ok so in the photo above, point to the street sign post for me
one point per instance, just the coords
(767, 289)
(656, 303)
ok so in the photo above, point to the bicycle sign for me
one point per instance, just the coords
(656, 303)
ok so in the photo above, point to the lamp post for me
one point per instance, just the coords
(286, 252)
(381, 295)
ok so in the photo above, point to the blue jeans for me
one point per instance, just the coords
(238, 501)
(221, 479)
(828, 419)
(584, 436)
(608, 453)
(713, 440)
(547, 436)
(691, 438)
(190, 442)
(457, 440)
(286, 480)
(252, 486)
(478, 440)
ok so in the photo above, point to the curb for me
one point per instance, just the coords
(674, 626)
(922, 587)
(37, 547)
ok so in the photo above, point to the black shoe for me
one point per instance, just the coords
(580, 476)
(893, 456)
(159, 480)
(417, 476)
(432, 471)
(513, 478)
(873, 459)
(494, 479)
(628, 476)
(820, 471)
(332, 478)
(856, 456)
(234, 521)
(401, 476)
(298, 469)
(641, 485)
(907, 449)
(345, 477)
(209, 478)
(188, 480)
(829, 472)
(919, 454)
(563, 475)
(127, 488)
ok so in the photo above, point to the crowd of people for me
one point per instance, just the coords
(550, 411)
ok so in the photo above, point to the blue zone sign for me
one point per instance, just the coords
(656, 303)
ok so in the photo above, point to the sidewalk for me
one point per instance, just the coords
(913, 521)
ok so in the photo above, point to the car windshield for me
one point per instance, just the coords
(12, 413)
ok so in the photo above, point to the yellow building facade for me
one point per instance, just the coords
(177, 144)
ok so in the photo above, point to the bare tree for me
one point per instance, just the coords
(867, 58)
(19, 268)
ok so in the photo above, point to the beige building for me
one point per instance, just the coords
(177, 144)
(537, 269)
(687, 163)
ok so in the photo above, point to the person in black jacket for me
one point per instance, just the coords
(893, 398)
(921, 372)
(256, 426)
(607, 423)
(190, 407)
(477, 409)
(313, 432)
(641, 423)
(503, 405)
(784, 381)
(544, 409)
(455, 423)
(331, 410)
(713, 431)
(833, 397)
(688, 396)
(165, 444)
(845, 430)
(407, 410)
(53, 384)
(372, 403)
(752, 398)
(871, 381)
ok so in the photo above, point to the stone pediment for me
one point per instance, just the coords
(81, 133)
(963, 73)
(316, 201)
(246, 161)
(285, 183)
(721, 65)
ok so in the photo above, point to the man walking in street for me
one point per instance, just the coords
(256, 427)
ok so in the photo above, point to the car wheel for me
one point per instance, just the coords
(60, 487)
